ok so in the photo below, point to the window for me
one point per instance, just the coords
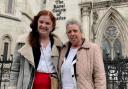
(6, 48)
(5, 51)
(9, 7)
(111, 44)
(117, 48)
(106, 49)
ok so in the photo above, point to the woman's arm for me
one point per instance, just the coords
(15, 68)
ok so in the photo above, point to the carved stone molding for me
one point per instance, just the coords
(95, 17)
(86, 8)
(9, 17)
(120, 0)
(109, 3)
(103, 4)
(85, 12)
(111, 32)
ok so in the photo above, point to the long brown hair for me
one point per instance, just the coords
(34, 34)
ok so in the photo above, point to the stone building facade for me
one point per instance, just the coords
(104, 22)
(107, 25)
(15, 18)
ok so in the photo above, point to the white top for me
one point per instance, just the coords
(45, 63)
(67, 80)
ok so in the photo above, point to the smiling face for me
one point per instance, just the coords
(74, 34)
(45, 25)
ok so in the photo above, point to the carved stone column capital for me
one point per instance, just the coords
(85, 11)
(86, 8)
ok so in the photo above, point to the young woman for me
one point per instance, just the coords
(35, 61)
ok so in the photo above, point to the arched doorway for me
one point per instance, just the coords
(111, 34)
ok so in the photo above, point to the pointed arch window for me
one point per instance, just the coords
(111, 43)
(5, 51)
(117, 48)
(6, 48)
(106, 48)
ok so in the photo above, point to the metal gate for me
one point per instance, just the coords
(4, 73)
(117, 73)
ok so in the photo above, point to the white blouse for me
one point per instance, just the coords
(45, 64)
(67, 80)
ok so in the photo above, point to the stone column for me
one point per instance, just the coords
(86, 21)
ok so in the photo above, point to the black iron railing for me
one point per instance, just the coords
(117, 73)
(5, 72)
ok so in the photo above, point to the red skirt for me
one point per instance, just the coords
(42, 81)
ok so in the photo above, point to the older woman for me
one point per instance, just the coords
(81, 61)
(35, 61)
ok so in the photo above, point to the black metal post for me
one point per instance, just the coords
(1, 71)
(4, 86)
